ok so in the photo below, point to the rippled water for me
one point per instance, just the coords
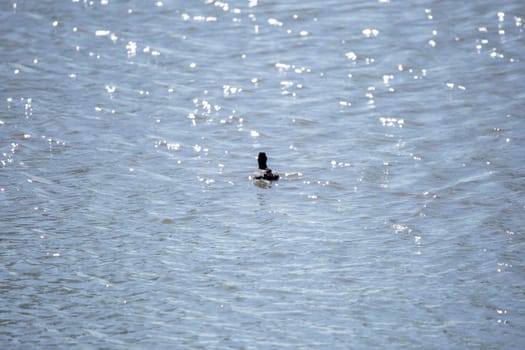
(129, 129)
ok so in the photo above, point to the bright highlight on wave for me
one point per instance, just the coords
(370, 32)
(102, 32)
(392, 122)
(275, 22)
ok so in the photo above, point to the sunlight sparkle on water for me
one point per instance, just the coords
(275, 22)
(131, 48)
(351, 56)
(389, 121)
(370, 32)
(102, 32)
(387, 78)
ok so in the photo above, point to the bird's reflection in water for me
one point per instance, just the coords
(263, 184)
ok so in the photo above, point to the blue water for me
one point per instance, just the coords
(129, 130)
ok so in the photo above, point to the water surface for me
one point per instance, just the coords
(129, 129)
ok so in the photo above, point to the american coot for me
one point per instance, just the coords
(264, 173)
